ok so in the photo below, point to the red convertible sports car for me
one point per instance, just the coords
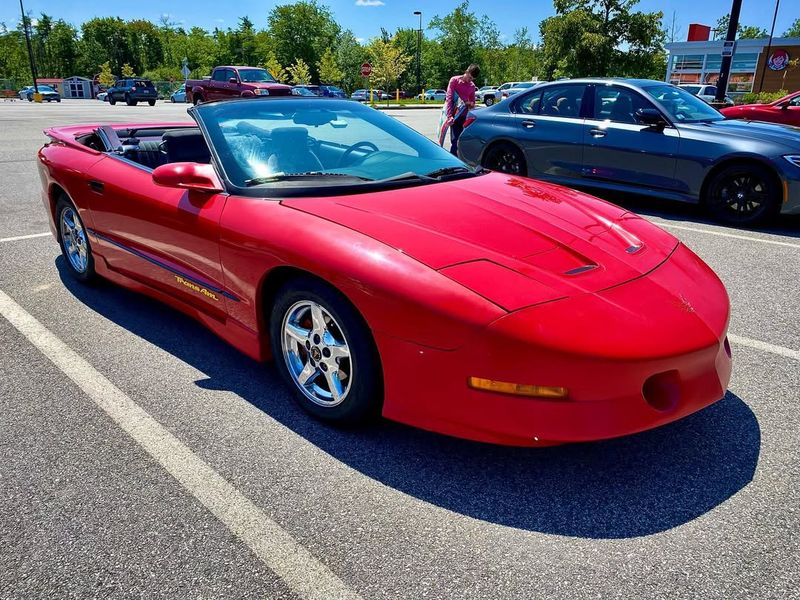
(384, 276)
(785, 111)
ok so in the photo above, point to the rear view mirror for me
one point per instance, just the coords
(186, 175)
(650, 117)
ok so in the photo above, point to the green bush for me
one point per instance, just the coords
(763, 97)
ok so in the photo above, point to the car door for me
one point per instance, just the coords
(165, 238)
(789, 111)
(548, 124)
(216, 89)
(619, 149)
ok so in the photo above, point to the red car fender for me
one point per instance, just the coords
(395, 294)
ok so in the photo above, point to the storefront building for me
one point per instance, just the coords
(700, 61)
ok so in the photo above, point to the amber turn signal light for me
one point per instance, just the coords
(517, 389)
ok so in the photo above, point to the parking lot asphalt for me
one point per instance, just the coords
(230, 491)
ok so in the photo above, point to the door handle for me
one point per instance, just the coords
(528, 124)
(597, 132)
(96, 186)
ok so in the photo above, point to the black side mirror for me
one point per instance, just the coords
(650, 117)
(785, 106)
(233, 80)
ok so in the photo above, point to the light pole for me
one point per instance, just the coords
(727, 57)
(25, 25)
(419, 49)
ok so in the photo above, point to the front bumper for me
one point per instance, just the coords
(633, 357)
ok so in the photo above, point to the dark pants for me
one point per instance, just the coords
(455, 132)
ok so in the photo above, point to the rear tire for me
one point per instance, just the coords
(74, 241)
(505, 158)
(320, 342)
(743, 194)
(151, 102)
(130, 101)
(111, 100)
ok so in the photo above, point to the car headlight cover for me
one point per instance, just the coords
(794, 159)
(261, 92)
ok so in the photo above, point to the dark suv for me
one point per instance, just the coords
(132, 91)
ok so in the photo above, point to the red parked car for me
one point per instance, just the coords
(234, 82)
(785, 111)
(385, 276)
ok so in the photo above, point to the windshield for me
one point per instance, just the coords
(692, 89)
(681, 106)
(328, 143)
(45, 88)
(255, 75)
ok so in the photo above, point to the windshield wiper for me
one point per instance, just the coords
(300, 176)
(447, 171)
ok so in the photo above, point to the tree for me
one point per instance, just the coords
(106, 77)
(299, 73)
(458, 34)
(743, 32)
(275, 68)
(349, 57)
(302, 31)
(127, 71)
(794, 29)
(600, 38)
(388, 63)
(329, 71)
(104, 39)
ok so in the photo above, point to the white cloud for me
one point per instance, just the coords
(369, 3)
(219, 20)
(360, 40)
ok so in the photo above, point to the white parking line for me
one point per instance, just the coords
(759, 345)
(17, 238)
(301, 571)
(736, 236)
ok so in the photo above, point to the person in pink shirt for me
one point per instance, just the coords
(460, 89)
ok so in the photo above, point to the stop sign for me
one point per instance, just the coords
(366, 70)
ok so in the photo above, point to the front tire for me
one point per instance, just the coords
(130, 101)
(743, 194)
(74, 242)
(325, 353)
(488, 101)
(505, 158)
(197, 99)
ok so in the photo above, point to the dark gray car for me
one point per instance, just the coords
(640, 136)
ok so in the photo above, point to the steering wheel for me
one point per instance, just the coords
(353, 148)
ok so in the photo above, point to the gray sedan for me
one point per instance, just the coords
(640, 136)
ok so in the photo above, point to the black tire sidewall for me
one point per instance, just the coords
(151, 102)
(89, 273)
(489, 101)
(506, 147)
(110, 99)
(364, 400)
(763, 214)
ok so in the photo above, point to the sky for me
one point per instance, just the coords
(366, 17)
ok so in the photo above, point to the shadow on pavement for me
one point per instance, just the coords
(634, 486)
(685, 213)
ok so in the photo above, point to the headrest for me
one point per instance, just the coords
(291, 138)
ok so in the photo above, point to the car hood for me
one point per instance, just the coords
(514, 241)
(761, 130)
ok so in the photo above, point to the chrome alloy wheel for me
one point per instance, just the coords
(74, 237)
(317, 354)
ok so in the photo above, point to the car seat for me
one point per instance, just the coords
(291, 153)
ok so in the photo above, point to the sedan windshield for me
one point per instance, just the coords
(255, 75)
(681, 106)
(319, 142)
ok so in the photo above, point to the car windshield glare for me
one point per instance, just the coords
(329, 143)
(681, 106)
(255, 75)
